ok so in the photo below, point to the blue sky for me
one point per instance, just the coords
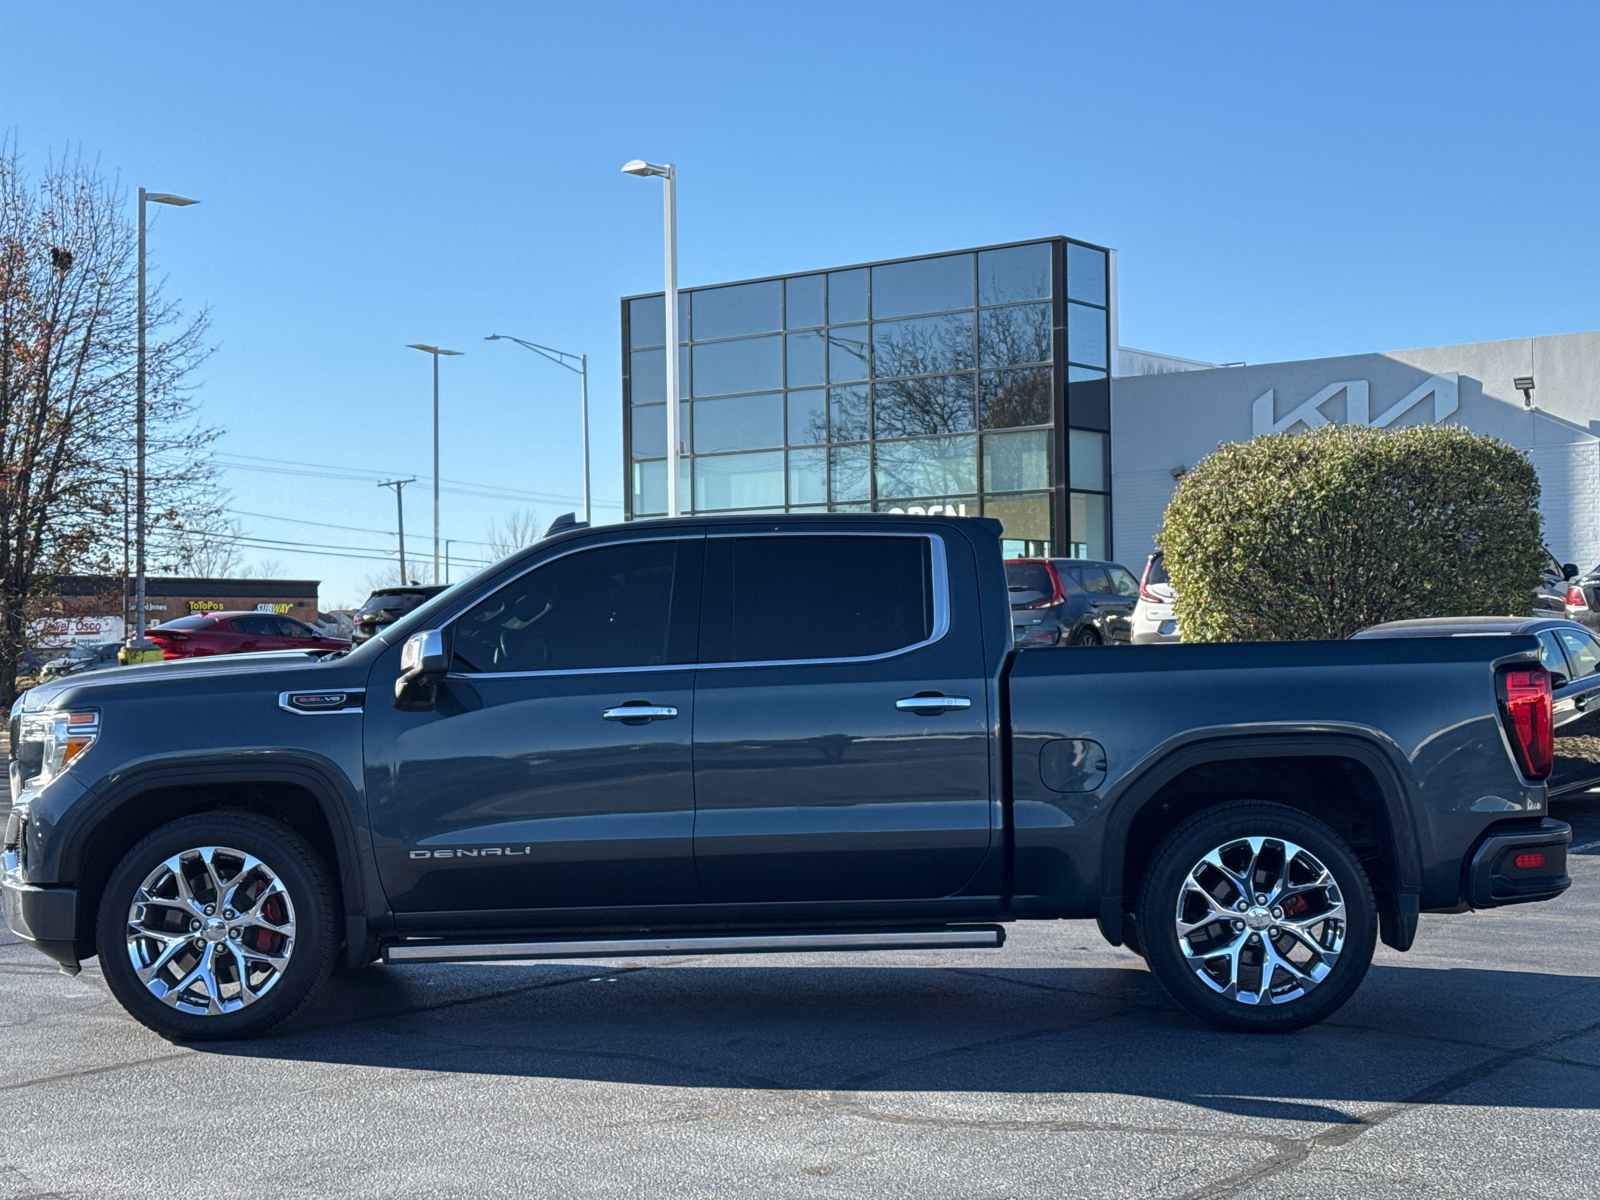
(1281, 181)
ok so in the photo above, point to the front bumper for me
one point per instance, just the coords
(1494, 877)
(44, 917)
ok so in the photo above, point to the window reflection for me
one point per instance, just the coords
(1014, 273)
(1015, 462)
(1010, 398)
(1015, 335)
(647, 371)
(746, 365)
(847, 296)
(849, 414)
(1087, 467)
(807, 359)
(736, 311)
(808, 417)
(1086, 514)
(1025, 520)
(808, 476)
(650, 487)
(1086, 274)
(1088, 398)
(742, 423)
(847, 354)
(923, 285)
(924, 406)
(1086, 335)
(738, 481)
(923, 346)
(646, 326)
(804, 302)
(927, 467)
(849, 473)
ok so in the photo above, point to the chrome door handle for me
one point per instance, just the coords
(921, 703)
(640, 712)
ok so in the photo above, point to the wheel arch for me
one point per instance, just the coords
(1367, 787)
(302, 794)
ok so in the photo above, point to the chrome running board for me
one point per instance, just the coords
(977, 937)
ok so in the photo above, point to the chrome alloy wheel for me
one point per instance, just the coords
(1260, 920)
(210, 930)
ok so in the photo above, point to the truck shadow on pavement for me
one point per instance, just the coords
(1411, 1035)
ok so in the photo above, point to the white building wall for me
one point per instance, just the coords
(1162, 422)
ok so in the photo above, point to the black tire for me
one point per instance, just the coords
(1087, 636)
(303, 904)
(1284, 1002)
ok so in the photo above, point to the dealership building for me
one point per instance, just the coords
(990, 382)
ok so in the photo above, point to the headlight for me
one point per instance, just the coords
(49, 743)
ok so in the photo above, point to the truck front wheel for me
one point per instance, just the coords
(218, 925)
(1257, 917)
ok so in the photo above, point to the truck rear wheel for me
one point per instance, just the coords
(218, 925)
(1257, 917)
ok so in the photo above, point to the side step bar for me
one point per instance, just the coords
(976, 937)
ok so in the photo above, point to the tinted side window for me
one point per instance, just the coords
(1582, 651)
(256, 626)
(1550, 656)
(1096, 583)
(605, 607)
(290, 628)
(777, 598)
(1123, 581)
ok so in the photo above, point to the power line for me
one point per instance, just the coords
(462, 487)
(239, 512)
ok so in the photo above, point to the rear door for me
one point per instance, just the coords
(818, 775)
(1576, 655)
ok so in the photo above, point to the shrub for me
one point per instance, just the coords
(1314, 535)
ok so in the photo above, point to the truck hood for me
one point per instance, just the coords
(273, 664)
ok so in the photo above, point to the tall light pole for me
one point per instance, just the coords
(436, 352)
(139, 649)
(400, 515)
(559, 357)
(669, 175)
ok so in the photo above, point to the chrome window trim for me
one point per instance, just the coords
(941, 609)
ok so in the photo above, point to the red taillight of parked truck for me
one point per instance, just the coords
(1526, 708)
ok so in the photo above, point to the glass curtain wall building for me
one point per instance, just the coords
(972, 383)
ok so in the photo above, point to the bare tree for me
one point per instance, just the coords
(265, 568)
(68, 332)
(208, 553)
(518, 528)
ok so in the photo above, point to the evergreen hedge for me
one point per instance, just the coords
(1317, 534)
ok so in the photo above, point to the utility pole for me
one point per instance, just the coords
(127, 508)
(436, 352)
(400, 512)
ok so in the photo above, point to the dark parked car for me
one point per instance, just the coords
(1571, 653)
(387, 605)
(81, 658)
(205, 634)
(1560, 592)
(717, 735)
(1070, 601)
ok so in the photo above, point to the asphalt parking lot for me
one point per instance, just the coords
(1052, 1068)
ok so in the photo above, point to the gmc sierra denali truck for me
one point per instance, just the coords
(733, 734)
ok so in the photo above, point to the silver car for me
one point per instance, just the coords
(1153, 621)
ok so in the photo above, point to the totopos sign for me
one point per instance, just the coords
(1443, 389)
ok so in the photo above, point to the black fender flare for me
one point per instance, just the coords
(319, 777)
(1398, 913)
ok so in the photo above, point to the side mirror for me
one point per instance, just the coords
(1569, 570)
(1557, 680)
(423, 662)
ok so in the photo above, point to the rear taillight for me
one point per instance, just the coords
(1576, 598)
(1144, 586)
(1058, 593)
(1525, 707)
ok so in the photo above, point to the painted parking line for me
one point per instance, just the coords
(1580, 849)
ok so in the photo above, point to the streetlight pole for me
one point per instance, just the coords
(139, 649)
(669, 175)
(436, 352)
(560, 357)
(400, 514)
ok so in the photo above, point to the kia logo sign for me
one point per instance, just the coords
(1358, 409)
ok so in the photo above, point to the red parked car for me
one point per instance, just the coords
(237, 633)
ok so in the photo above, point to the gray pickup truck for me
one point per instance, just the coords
(795, 733)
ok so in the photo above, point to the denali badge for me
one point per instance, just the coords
(474, 852)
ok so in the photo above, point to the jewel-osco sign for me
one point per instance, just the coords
(1443, 389)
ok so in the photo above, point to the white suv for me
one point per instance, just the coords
(1153, 621)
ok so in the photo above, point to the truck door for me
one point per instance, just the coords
(554, 771)
(841, 727)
